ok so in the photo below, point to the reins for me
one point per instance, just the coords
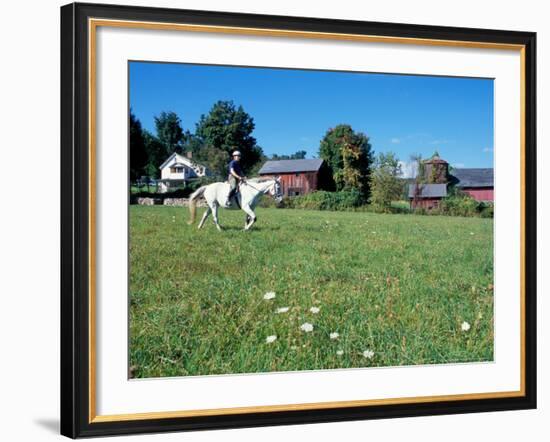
(255, 188)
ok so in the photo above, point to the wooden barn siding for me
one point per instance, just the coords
(481, 194)
(426, 203)
(304, 181)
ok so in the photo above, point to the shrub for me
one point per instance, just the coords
(461, 204)
(487, 210)
(322, 200)
(268, 202)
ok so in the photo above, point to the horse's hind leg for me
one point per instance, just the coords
(203, 219)
(215, 216)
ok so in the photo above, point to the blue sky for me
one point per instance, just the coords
(292, 109)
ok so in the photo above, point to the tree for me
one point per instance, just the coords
(349, 156)
(253, 171)
(138, 153)
(298, 155)
(417, 164)
(169, 132)
(226, 128)
(215, 159)
(155, 154)
(385, 182)
(419, 173)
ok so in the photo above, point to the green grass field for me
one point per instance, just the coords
(398, 287)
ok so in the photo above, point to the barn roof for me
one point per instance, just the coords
(291, 166)
(428, 190)
(472, 177)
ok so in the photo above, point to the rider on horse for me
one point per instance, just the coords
(236, 176)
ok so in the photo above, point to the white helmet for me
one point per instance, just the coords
(236, 152)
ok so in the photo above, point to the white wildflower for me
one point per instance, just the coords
(270, 339)
(465, 326)
(307, 327)
(283, 309)
(334, 335)
(368, 354)
(269, 295)
(471, 233)
(340, 352)
(314, 310)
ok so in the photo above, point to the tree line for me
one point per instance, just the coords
(348, 154)
(216, 135)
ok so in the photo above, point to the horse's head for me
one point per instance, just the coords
(277, 190)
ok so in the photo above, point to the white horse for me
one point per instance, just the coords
(249, 194)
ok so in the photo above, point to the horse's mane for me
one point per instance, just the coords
(260, 179)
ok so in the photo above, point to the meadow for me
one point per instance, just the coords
(306, 290)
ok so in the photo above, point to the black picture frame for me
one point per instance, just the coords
(75, 220)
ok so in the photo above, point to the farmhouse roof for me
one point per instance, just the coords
(427, 190)
(472, 177)
(179, 161)
(291, 166)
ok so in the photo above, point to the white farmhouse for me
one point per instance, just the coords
(178, 169)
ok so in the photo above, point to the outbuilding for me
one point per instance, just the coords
(298, 177)
(426, 196)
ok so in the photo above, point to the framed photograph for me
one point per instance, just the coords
(274, 220)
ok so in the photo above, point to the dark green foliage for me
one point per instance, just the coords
(325, 180)
(169, 132)
(459, 206)
(138, 153)
(253, 171)
(226, 128)
(298, 155)
(487, 210)
(459, 203)
(155, 154)
(322, 200)
(349, 156)
(215, 159)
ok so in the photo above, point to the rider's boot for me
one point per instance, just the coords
(229, 198)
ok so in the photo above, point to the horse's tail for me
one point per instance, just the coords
(193, 203)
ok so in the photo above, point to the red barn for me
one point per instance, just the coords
(478, 183)
(298, 177)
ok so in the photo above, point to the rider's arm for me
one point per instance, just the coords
(232, 171)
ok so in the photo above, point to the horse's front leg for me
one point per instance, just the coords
(215, 216)
(251, 217)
